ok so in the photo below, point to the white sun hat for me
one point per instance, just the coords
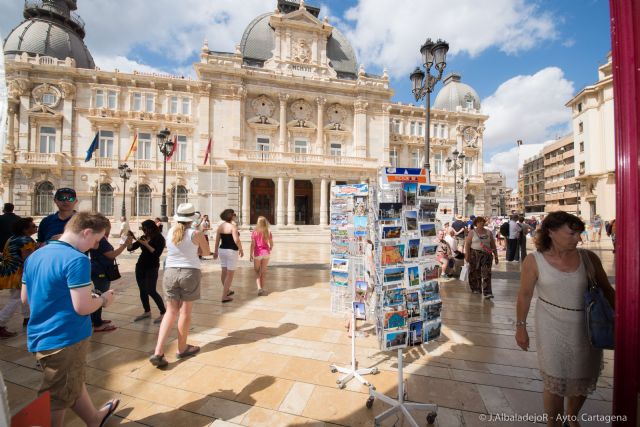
(186, 213)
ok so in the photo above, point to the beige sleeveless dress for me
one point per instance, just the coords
(569, 365)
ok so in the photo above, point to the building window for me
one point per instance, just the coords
(112, 99)
(99, 98)
(469, 104)
(580, 127)
(336, 149)
(181, 149)
(468, 166)
(186, 106)
(106, 144)
(49, 99)
(579, 107)
(47, 139)
(106, 199)
(180, 195)
(393, 157)
(44, 199)
(437, 164)
(420, 129)
(300, 147)
(582, 147)
(173, 105)
(143, 201)
(412, 128)
(582, 168)
(396, 126)
(144, 146)
(263, 144)
(137, 102)
(148, 106)
(415, 159)
(442, 131)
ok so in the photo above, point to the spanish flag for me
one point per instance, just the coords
(174, 148)
(133, 148)
(208, 152)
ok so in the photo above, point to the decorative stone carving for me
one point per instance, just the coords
(17, 87)
(46, 97)
(301, 52)
(263, 108)
(360, 106)
(301, 111)
(337, 115)
(68, 90)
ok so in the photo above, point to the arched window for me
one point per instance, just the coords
(106, 199)
(144, 200)
(180, 195)
(44, 199)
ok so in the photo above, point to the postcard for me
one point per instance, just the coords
(432, 330)
(339, 219)
(340, 278)
(393, 274)
(410, 193)
(428, 248)
(426, 191)
(413, 275)
(428, 210)
(339, 264)
(393, 297)
(359, 310)
(394, 340)
(413, 310)
(392, 254)
(427, 230)
(431, 311)
(429, 291)
(359, 206)
(394, 319)
(360, 225)
(413, 249)
(391, 231)
(387, 211)
(416, 332)
(429, 271)
(340, 247)
(411, 220)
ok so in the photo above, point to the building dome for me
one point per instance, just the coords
(258, 41)
(50, 29)
(456, 94)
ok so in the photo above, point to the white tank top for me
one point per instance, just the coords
(183, 255)
(477, 241)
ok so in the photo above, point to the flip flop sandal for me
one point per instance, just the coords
(230, 293)
(227, 300)
(113, 406)
(190, 351)
(107, 328)
(158, 361)
(106, 322)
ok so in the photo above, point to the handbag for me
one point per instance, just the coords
(464, 272)
(599, 313)
(111, 271)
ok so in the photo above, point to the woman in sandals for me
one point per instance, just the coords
(181, 282)
(228, 251)
(478, 249)
(261, 247)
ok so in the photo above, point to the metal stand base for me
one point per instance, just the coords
(351, 373)
(400, 405)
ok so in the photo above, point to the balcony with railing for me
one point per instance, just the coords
(178, 166)
(105, 162)
(302, 158)
(32, 158)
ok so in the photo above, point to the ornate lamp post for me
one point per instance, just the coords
(453, 164)
(125, 173)
(165, 145)
(464, 183)
(433, 55)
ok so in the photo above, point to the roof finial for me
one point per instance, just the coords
(205, 46)
(302, 4)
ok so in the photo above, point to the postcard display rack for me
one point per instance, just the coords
(350, 270)
(408, 303)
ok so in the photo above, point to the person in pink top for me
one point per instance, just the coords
(261, 246)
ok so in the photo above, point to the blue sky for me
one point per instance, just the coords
(525, 58)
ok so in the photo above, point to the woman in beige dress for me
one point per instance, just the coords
(569, 365)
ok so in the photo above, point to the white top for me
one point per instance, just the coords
(478, 240)
(514, 229)
(185, 254)
(452, 242)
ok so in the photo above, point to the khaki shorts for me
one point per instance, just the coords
(64, 373)
(182, 284)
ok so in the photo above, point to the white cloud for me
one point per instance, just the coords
(508, 162)
(530, 108)
(122, 64)
(390, 36)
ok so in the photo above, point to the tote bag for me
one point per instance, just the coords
(599, 313)
(464, 272)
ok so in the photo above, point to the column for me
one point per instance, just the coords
(291, 210)
(360, 128)
(282, 140)
(245, 199)
(280, 206)
(323, 202)
(320, 135)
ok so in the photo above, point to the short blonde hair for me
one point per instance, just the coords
(96, 222)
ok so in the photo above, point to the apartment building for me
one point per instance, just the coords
(561, 187)
(533, 182)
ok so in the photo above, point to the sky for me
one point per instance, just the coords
(525, 58)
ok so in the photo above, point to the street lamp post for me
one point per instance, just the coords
(166, 146)
(433, 54)
(453, 165)
(125, 173)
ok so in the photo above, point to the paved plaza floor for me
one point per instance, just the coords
(265, 360)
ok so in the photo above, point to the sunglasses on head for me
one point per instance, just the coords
(64, 198)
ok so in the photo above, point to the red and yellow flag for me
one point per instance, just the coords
(133, 148)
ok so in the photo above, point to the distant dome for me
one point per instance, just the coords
(258, 41)
(50, 29)
(456, 94)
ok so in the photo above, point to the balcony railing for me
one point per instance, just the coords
(104, 162)
(25, 157)
(302, 158)
(177, 166)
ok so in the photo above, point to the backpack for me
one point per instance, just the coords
(504, 229)
(607, 227)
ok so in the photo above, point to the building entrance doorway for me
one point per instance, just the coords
(304, 202)
(262, 200)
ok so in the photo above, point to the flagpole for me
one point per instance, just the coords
(210, 183)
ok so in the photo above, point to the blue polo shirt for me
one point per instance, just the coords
(49, 275)
(50, 226)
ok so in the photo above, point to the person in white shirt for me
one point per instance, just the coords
(512, 243)
(451, 240)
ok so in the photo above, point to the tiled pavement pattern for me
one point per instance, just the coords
(265, 360)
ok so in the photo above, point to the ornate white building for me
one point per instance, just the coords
(288, 113)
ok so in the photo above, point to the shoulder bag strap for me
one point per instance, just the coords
(588, 265)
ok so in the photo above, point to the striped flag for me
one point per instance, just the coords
(206, 154)
(93, 147)
(174, 148)
(133, 148)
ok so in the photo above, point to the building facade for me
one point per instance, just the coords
(513, 203)
(560, 184)
(593, 134)
(496, 194)
(533, 178)
(520, 193)
(285, 116)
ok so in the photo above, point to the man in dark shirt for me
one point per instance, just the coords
(52, 226)
(459, 227)
(7, 219)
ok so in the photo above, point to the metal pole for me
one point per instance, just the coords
(427, 130)
(455, 187)
(163, 205)
(124, 197)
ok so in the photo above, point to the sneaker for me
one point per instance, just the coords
(6, 334)
(158, 319)
(488, 296)
(158, 361)
(145, 315)
(190, 351)
(444, 276)
(261, 292)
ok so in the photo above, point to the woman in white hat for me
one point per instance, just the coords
(181, 282)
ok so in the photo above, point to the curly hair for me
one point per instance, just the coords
(478, 219)
(227, 215)
(552, 222)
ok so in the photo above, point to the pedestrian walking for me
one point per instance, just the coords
(7, 219)
(479, 248)
(569, 364)
(261, 247)
(57, 286)
(181, 283)
(596, 224)
(525, 229)
(151, 244)
(512, 241)
(459, 227)
(228, 247)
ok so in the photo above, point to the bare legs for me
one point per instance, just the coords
(226, 276)
(554, 408)
(84, 409)
(260, 267)
(173, 309)
(184, 321)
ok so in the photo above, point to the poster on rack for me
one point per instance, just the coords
(396, 175)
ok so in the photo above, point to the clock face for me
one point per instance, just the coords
(469, 134)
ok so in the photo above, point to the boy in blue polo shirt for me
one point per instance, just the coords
(52, 226)
(57, 285)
